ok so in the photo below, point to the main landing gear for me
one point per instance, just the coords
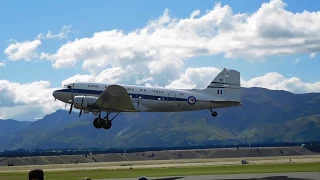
(213, 113)
(105, 122)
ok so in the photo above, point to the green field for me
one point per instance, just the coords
(185, 171)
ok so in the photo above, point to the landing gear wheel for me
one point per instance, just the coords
(96, 123)
(214, 114)
(106, 124)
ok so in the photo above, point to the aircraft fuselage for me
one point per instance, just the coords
(223, 91)
(145, 99)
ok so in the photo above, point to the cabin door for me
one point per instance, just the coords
(171, 100)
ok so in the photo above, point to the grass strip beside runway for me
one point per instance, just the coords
(181, 171)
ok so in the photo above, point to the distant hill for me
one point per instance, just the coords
(265, 116)
(8, 129)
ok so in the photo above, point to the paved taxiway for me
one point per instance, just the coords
(263, 176)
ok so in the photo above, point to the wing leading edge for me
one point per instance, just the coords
(115, 97)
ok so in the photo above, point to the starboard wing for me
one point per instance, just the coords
(115, 97)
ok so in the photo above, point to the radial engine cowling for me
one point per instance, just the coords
(83, 102)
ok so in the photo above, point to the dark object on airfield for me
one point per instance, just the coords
(142, 178)
(244, 161)
(169, 178)
(86, 178)
(10, 164)
(36, 174)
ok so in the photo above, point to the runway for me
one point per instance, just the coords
(264, 176)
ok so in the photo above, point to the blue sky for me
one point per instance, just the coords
(24, 20)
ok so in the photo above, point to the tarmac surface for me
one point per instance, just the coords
(263, 176)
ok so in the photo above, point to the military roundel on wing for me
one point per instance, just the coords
(191, 100)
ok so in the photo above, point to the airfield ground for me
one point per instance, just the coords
(185, 172)
(259, 176)
(164, 163)
(193, 155)
(167, 163)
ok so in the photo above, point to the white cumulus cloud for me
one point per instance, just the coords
(201, 78)
(64, 31)
(164, 43)
(195, 78)
(22, 50)
(27, 50)
(26, 100)
(109, 76)
(276, 81)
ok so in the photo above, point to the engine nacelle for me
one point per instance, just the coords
(83, 102)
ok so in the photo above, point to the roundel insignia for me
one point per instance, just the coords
(192, 100)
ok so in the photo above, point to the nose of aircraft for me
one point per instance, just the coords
(55, 94)
(58, 95)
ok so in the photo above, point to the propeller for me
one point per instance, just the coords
(71, 107)
(81, 107)
(71, 102)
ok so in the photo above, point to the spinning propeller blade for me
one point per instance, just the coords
(80, 112)
(71, 107)
(81, 107)
(71, 103)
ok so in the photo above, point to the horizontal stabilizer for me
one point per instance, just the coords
(226, 102)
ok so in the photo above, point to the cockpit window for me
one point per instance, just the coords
(67, 86)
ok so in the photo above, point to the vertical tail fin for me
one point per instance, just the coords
(226, 85)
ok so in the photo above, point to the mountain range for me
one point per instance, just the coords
(265, 116)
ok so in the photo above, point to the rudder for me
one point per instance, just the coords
(226, 85)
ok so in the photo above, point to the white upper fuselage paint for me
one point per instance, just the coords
(148, 99)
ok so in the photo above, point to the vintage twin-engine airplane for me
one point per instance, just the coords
(223, 91)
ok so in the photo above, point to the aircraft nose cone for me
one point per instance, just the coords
(58, 95)
(62, 95)
(55, 94)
